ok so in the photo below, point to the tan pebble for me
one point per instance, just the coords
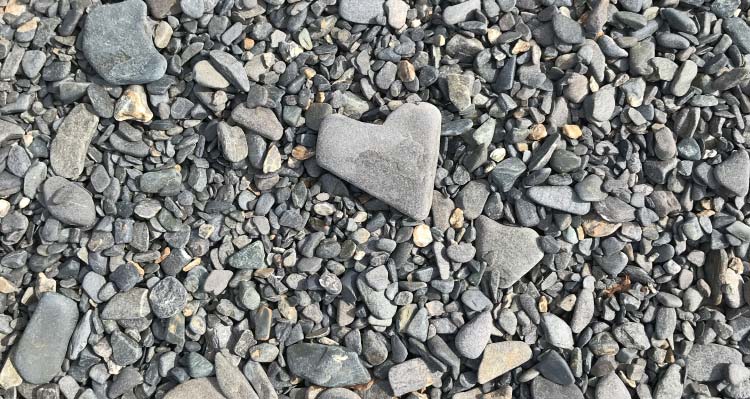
(498, 154)
(4, 207)
(543, 304)
(133, 105)
(9, 376)
(521, 46)
(538, 132)
(248, 43)
(522, 147)
(302, 153)
(406, 71)
(162, 34)
(422, 236)
(192, 264)
(457, 218)
(594, 226)
(572, 131)
(6, 287)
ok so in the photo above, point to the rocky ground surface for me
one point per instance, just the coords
(342, 199)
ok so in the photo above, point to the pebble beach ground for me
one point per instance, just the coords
(374, 199)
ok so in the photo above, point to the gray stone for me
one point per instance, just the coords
(554, 368)
(375, 300)
(260, 120)
(117, 43)
(460, 12)
(71, 142)
(600, 105)
(683, 79)
(706, 363)
(473, 336)
(233, 383)
(68, 202)
(557, 332)
(207, 76)
(472, 198)
(511, 251)
(167, 297)
(669, 385)
(566, 29)
(258, 378)
(561, 198)
(362, 11)
(127, 305)
(395, 162)
(232, 142)
(611, 387)
(327, 366)
(409, 376)
(733, 175)
(40, 352)
(502, 357)
(252, 256)
(197, 388)
(542, 388)
(164, 182)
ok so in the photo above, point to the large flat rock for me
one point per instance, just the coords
(71, 142)
(40, 352)
(394, 162)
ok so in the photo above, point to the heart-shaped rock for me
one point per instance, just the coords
(394, 162)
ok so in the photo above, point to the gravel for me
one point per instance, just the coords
(370, 199)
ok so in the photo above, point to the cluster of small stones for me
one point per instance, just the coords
(343, 199)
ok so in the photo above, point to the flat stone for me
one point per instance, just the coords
(460, 12)
(362, 11)
(554, 368)
(512, 251)
(395, 162)
(611, 387)
(505, 173)
(207, 76)
(167, 297)
(252, 256)
(473, 336)
(260, 120)
(164, 182)
(706, 363)
(561, 198)
(197, 388)
(566, 29)
(338, 393)
(40, 352)
(557, 332)
(117, 43)
(258, 378)
(502, 357)
(327, 366)
(409, 376)
(683, 78)
(542, 388)
(397, 13)
(68, 202)
(232, 382)
(375, 300)
(232, 142)
(733, 175)
(127, 305)
(71, 142)
(670, 384)
(600, 105)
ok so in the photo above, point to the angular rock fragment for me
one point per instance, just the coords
(512, 251)
(117, 43)
(327, 366)
(71, 142)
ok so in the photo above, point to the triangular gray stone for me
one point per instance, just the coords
(513, 251)
(394, 162)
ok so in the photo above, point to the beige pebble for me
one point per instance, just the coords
(422, 236)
